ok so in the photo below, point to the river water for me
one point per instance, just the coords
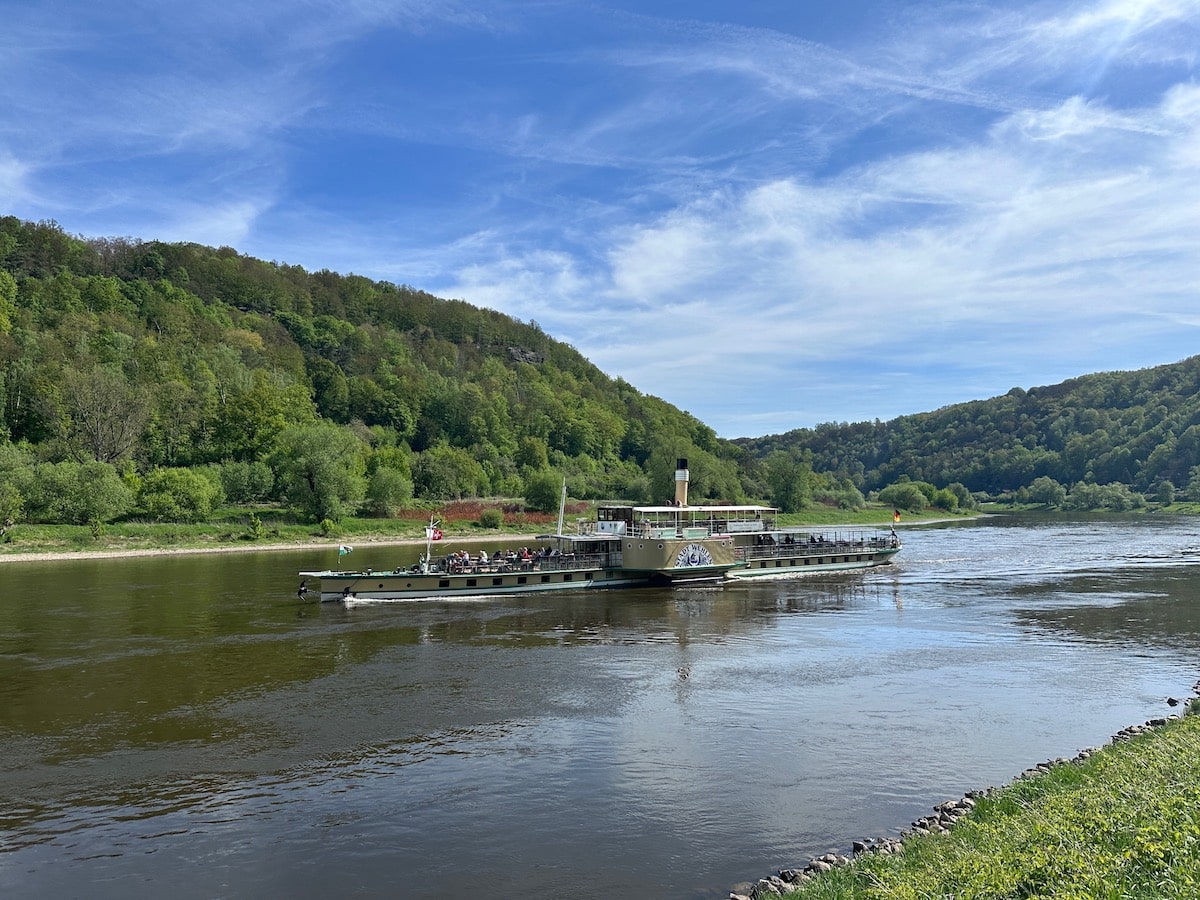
(186, 726)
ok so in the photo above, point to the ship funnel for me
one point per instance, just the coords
(681, 482)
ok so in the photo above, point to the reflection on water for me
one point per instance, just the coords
(187, 725)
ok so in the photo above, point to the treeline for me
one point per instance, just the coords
(161, 379)
(1101, 438)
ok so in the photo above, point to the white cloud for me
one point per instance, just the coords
(711, 210)
(14, 191)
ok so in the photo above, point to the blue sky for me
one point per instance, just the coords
(771, 214)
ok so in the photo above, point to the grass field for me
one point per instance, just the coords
(1124, 822)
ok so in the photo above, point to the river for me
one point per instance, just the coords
(186, 726)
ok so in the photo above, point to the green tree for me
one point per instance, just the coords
(8, 301)
(388, 490)
(790, 481)
(531, 453)
(963, 495)
(103, 414)
(74, 493)
(12, 505)
(320, 470)
(906, 495)
(246, 482)
(178, 495)
(543, 489)
(446, 473)
(256, 412)
(1047, 491)
(1164, 492)
(945, 499)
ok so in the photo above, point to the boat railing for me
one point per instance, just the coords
(813, 545)
(556, 562)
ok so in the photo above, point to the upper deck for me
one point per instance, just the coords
(682, 521)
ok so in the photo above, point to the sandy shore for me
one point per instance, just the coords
(248, 547)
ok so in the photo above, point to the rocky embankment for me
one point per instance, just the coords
(941, 820)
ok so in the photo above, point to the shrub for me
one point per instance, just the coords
(247, 482)
(177, 495)
(387, 493)
(73, 493)
(542, 491)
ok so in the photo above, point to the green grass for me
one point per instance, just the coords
(231, 527)
(877, 516)
(1124, 823)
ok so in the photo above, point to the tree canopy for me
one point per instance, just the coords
(120, 359)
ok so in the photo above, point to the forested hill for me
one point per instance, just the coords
(145, 355)
(150, 379)
(1140, 429)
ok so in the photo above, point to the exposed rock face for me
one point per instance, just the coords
(520, 354)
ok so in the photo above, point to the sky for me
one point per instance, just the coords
(771, 214)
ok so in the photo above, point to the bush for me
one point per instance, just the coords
(388, 491)
(11, 506)
(904, 495)
(178, 495)
(542, 491)
(491, 518)
(247, 482)
(72, 493)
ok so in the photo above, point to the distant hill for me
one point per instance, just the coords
(1137, 428)
(152, 359)
(203, 355)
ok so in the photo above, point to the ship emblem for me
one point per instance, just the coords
(693, 555)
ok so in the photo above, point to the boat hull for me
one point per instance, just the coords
(793, 564)
(392, 586)
(679, 559)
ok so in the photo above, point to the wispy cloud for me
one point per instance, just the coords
(766, 219)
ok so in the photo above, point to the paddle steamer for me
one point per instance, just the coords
(626, 546)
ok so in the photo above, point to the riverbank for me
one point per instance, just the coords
(27, 543)
(253, 547)
(1118, 821)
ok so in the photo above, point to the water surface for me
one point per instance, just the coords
(186, 725)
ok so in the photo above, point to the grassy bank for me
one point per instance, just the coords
(244, 528)
(1122, 823)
